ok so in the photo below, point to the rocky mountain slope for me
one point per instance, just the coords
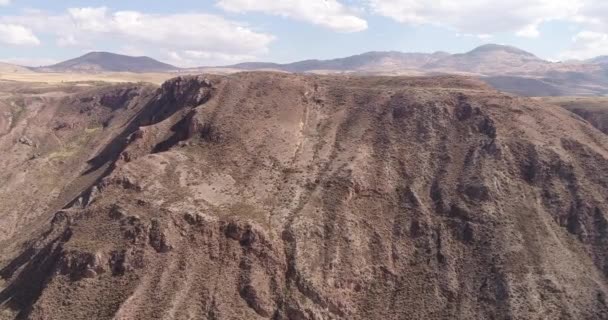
(109, 62)
(280, 196)
(592, 109)
(47, 134)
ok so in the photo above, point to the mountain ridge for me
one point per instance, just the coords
(13, 68)
(476, 60)
(599, 59)
(366, 61)
(101, 61)
(507, 68)
(263, 195)
(418, 60)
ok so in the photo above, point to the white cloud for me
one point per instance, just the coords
(160, 33)
(586, 45)
(189, 58)
(15, 34)
(327, 13)
(530, 31)
(593, 40)
(481, 36)
(91, 19)
(67, 41)
(593, 14)
(189, 31)
(478, 16)
(5, 2)
(519, 17)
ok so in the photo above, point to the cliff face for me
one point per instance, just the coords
(47, 134)
(274, 196)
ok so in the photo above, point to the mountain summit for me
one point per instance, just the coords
(109, 62)
(491, 59)
(493, 48)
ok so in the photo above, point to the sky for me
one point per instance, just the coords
(190, 33)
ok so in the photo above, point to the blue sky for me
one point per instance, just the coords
(218, 32)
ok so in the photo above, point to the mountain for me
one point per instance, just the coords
(491, 59)
(11, 68)
(290, 196)
(109, 62)
(599, 60)
(557, 82)
(505, 67)
(370, 61)
(487, 59)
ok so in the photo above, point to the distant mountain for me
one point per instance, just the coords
(109, 62)
(487, 59)
(256, 66)
(370, 61)
(506, 68)
(11, 68)
(491, 59)
(599, 60)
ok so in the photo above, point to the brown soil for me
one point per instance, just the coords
(279, 196)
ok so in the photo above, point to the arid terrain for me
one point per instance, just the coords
(280, 196)
(79, 78)
(592, 109)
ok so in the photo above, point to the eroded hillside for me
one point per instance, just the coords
(47, 135)
(277, 196)
(592, 109)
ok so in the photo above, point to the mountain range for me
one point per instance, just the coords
(506, 68)
(487, 59)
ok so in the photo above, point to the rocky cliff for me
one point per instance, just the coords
(277, 196)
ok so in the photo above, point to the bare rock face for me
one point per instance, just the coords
(158, 237)
(276, 196)
(179, 93)
(26, 141)
(79, 265)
